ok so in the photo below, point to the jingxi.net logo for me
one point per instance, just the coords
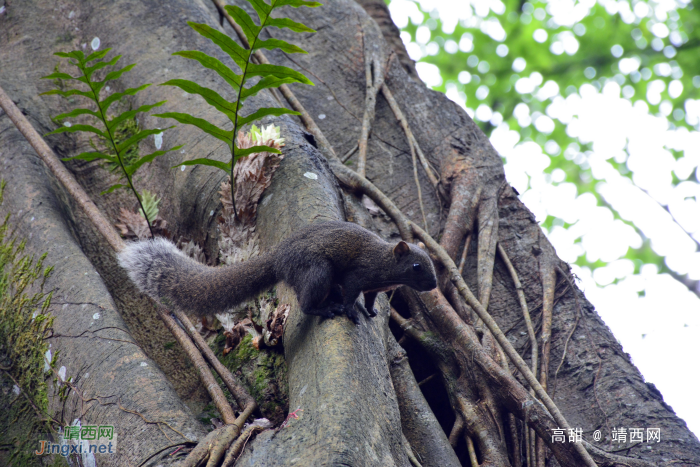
(80, 441)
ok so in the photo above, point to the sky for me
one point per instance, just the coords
(654, 317)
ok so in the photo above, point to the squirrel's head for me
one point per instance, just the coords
(415, 267)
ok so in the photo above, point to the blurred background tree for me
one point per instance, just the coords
(594, 107)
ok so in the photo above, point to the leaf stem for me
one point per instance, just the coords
(116, 151)
(238, 105)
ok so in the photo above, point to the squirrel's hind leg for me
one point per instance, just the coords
(313, 286)
(351, 293)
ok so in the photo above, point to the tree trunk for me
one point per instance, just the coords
(355, 386)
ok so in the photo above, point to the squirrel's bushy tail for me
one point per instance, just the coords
(162, 271)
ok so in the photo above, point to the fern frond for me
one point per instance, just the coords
(214, 64)
(131, 114)
(98, 54)
(91, 156)
(116, 74)
(76, 54)
(200, 123)
(212, 97)
(238, 54)
(243, 19)
(150, 205)
(58, 75)
(76, 128)
(210, 162)
(263, 112)
(113, 188)
(266, 83)
(252, 150)
(278, 71)
(272, 76)
(118, 153)
(289, 24)
(286, 47)
(296, 3)
(122, 147)
(107, 103)
(130, 169)
(88, 71)
(67, 94)
(75, 113)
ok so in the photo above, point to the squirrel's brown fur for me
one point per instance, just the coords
(327, 265)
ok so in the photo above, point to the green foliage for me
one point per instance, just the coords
(271, 76)
(150, 205)
(120, 134)
(123, 131)
(521, 54)
(24, 326)
(602, 40)
(23, 322)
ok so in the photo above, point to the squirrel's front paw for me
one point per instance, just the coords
(370, 313)
(352, 314)
(335, 309)
(332, 310)
(328, 311)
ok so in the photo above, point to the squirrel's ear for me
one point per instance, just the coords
(401, 249)
(421, 245)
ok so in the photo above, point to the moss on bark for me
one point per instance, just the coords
(263, 372)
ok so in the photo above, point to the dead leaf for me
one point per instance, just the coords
(133, 226)
(237, 333)
(275, 325)
(191, 249)
(238, 240)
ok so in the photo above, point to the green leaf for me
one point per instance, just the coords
(210, 162)
(264, 112)
(91, 156)
(150, 205)
(75, 113)
(76, 54)
(99, 65)
(70, 92)
(296, 3)
(265, 83)
(107, 102)
(245, 152)
(83, 80)
(261, 8)
(215, 64)
(132, 113)
(237, 53)
(272, 44)
(58, 75)
(138, 137)
(97, 55)
(75, 128)
(278, 71)
(112, 75)
(200, 123)
(148, 158)
(112, 188)
(212, 97)
(250, 29)
(287, 23)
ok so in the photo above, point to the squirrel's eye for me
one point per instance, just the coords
(417, 267)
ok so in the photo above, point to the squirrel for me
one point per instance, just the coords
(327, 265)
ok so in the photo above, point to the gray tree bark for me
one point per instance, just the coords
(358, 394)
